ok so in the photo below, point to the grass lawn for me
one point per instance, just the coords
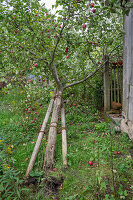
(99, 160)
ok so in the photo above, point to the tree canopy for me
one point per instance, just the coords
(66, 46)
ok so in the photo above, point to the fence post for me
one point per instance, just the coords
(106, 84)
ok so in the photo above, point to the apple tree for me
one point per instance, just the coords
(68, 47)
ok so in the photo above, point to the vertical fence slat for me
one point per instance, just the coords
(111, 86)
(114, 86)
(118, 92)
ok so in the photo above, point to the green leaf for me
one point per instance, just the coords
(1, 187)
(103, 185)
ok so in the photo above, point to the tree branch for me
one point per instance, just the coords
(58, 40)
(87, 77)
(35, 55)
(91, 74)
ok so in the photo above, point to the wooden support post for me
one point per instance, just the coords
(106, 85)
(39, 139)
(64, 138)
(50, 149)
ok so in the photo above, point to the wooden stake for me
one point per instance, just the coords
(39, 139)
(64, 138)
(50, 149)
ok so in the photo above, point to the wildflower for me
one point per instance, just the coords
(8, 150)
(51, 93)
(5, 166)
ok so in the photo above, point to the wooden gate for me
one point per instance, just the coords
(113, 84)
(116, 83)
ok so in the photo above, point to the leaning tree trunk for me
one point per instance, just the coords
(50, 149)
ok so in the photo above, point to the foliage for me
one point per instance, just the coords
(67, 46)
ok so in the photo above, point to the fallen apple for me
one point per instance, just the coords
(90, 163)
(55, 170)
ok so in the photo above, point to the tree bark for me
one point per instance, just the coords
(38, 142)
(50, 149)
(64, 138)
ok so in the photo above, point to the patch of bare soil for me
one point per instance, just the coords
(52, 185)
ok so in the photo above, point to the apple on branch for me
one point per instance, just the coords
(35, 64)
(66, 50)
(16, 31)
(94, 10)
(92, 5)
(120, 62)
(84, 26)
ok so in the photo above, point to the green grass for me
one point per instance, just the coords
(109, 176)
